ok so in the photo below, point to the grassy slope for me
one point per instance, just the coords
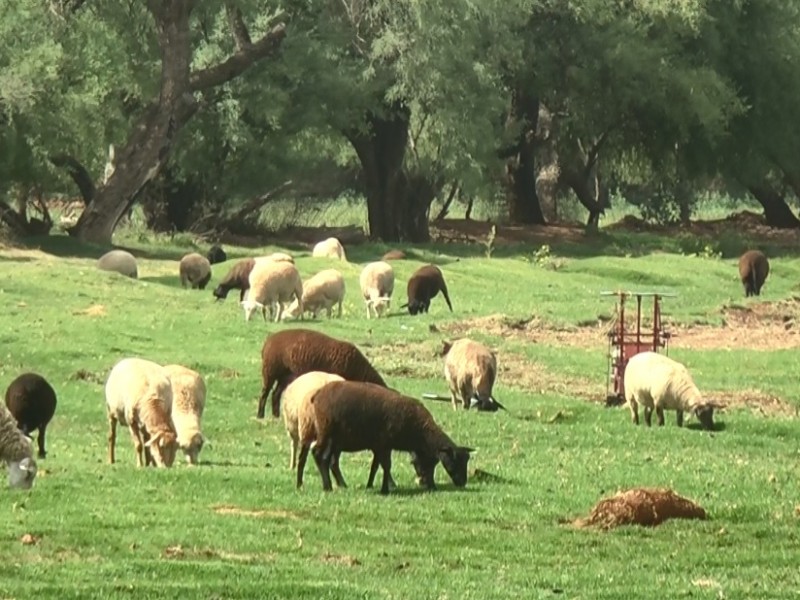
(104, 530)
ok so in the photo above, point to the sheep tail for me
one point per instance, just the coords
(754, 280)
(446, 296)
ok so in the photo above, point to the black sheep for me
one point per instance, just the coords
(424, 284)
(32, 402)
(216, 255)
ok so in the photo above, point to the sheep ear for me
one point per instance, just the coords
(469, 450)
(446, 345)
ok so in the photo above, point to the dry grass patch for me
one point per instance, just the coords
(228, 509)
(95, 310)
(340, 559)
(640, 506)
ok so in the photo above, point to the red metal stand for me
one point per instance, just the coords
(626, 339)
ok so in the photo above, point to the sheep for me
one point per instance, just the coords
(656, 381)
(139, 395)
(297, 416)
(195, 270)
(753, 271)
(350, 416)
(119, 261)
(239, 275)
(292, 352)
(394, 255)
(32, 402)
(329, 248)
(377, 285)
(17, 452)
(271, 284)
(321, 292)
(425, 283)
(470, 369)
(216, 255)
(188, 403)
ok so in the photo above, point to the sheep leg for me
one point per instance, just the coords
(340, 309)
(301, 464)
(112, 438)
(648, 415)
(660, 415)
(293, 454)
(634, 406)
(386, 464)
(40, 440)
(680, 418)
(369, 312)
(278, 312)
(138, 444)
(322, 456)
(337, 472)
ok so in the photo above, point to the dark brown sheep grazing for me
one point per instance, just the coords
(32, 402)
(216, 255)
(350, 416)
(237, 278)
(293, 352)
(424, 284)
(753, 271)
(394, 255)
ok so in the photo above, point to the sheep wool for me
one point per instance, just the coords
(329, 248)
(321, 292)
(424, 284)
(216, 255)
(293, 352)
(753, 271)
(237, 278)
(139, 395)
(658, 382)
(195, 271)
(377, 286)
(119, 261)
(351, 416)
(188, 404)
(470, 369)
(271, 285)
(17, 452)
(32, 402)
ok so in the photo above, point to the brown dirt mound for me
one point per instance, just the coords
(463, 231)
(641, 506)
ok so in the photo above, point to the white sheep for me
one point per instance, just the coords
(188, 403)
(277, 257)
(272, 284)
(17, 452)
(329, 248)
(298, 416)
(656, 381)
(139, 395)
(470, 369)
(377, 286)
(321, 292)
(119, 261)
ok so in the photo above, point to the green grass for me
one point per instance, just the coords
(120, 532)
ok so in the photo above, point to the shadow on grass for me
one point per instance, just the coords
(719, 426)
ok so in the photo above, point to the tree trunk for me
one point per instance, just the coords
(523, 201)
(397, 202)
(776, 211)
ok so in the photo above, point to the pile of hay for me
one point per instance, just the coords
(641, 506)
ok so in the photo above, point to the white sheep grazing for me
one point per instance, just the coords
(119, 261)
(656, 381)
(16, 451)
(139, 395)
(321, 292)
(330, 248)
(470, 369)
(377, 286)
(272, 284)
(277, 257)
(188, 403)
(298, 415)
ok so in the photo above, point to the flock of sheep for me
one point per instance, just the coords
(333, 399)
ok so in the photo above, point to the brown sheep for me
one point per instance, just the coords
(237, 278)
(753, 271)
(394, 255)
(470, 369)
(32, 402)
(293, 352)
(350, 416)
(425, 283)
(195, 270)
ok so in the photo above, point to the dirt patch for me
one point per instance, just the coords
(179, 552)
(463, 231)
(754, 400)
(95, 310)
(228, 509)
(340, 559)
(648, 507)
(29, 539)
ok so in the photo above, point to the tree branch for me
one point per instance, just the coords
(238, 28)
(79, 174)
(239, 62)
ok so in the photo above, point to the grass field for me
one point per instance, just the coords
(235, 527)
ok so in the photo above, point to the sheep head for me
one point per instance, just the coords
(192, 447)
(705, 414)
(292, 311)
(381, 304)
(454, 460)
(21, 473)
(163, 446)
(250, 306)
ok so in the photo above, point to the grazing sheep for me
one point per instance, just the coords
(321, 292)
(239, 275)
(753, 271)
(272, 284)
(278, 257)
(119, 261)
(425, 283)
(292, 352)
(470, 369)
(656, 381)
(188, 403)
(330, 248)
(377, 286)
(32, 402)
(350, 416)
(139, 395)
(17, 452)
(394, 255)
(195, 270)
(216, 255)
(296, 408)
